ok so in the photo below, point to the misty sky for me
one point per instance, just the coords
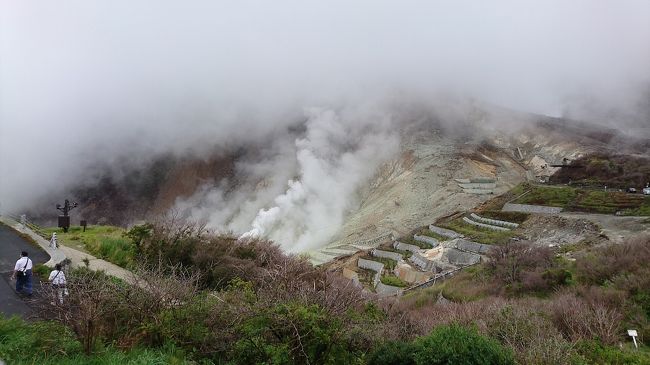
(88, 81)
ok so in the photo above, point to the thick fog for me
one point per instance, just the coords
(84, 83)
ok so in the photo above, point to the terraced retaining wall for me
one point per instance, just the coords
(372, 242)
(487, 186)
(405, 247)
(483, 225)
(426, 239)
(461, 258)
(386, 254)
(471, 246)
(383, 289)
(444, 232)
(422, 262)
(525, 208)
(436, 279)
(494, 222)
(375, 266)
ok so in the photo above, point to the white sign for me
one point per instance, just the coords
(633, 334)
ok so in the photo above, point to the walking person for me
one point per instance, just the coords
(57, 279)
(23, 274)
(53, 241)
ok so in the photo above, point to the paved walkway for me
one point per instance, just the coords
(11, 244)
(55, 255)
(76, 257)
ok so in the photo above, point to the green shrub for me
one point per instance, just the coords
(459, 345)
(294, 334)
(393, 353)
(42, 271)
(446, 345)
(393, 281)
(592, 352)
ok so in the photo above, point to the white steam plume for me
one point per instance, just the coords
(335, 157)
(338, 153)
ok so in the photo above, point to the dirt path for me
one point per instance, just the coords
(616, 228)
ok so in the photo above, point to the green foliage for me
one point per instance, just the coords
(194, 332)
(458, 345)
(546, 195)
(137, 234)
(42, 271)
(514, 217)
(556, 277)
(592, 352)
(19, 340)
(393, 353)
(116, 250)
(451, 344)
(293, 333)
(244, 288)
(587, 200)
(482, 235)
(393, 281)
(50, 343)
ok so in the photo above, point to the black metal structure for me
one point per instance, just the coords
(64, 220)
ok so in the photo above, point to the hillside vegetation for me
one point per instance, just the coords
(552, 303)
(249, 303)
(615, 171)
(584, 200)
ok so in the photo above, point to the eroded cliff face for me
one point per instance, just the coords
(428, 180)
(419, 186)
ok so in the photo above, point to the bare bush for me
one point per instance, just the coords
(604, 263)
(531, 336)
(578, 319)
(523, 267)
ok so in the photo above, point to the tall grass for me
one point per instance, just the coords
(50, 343)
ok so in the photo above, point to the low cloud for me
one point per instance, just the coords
(86, 84)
